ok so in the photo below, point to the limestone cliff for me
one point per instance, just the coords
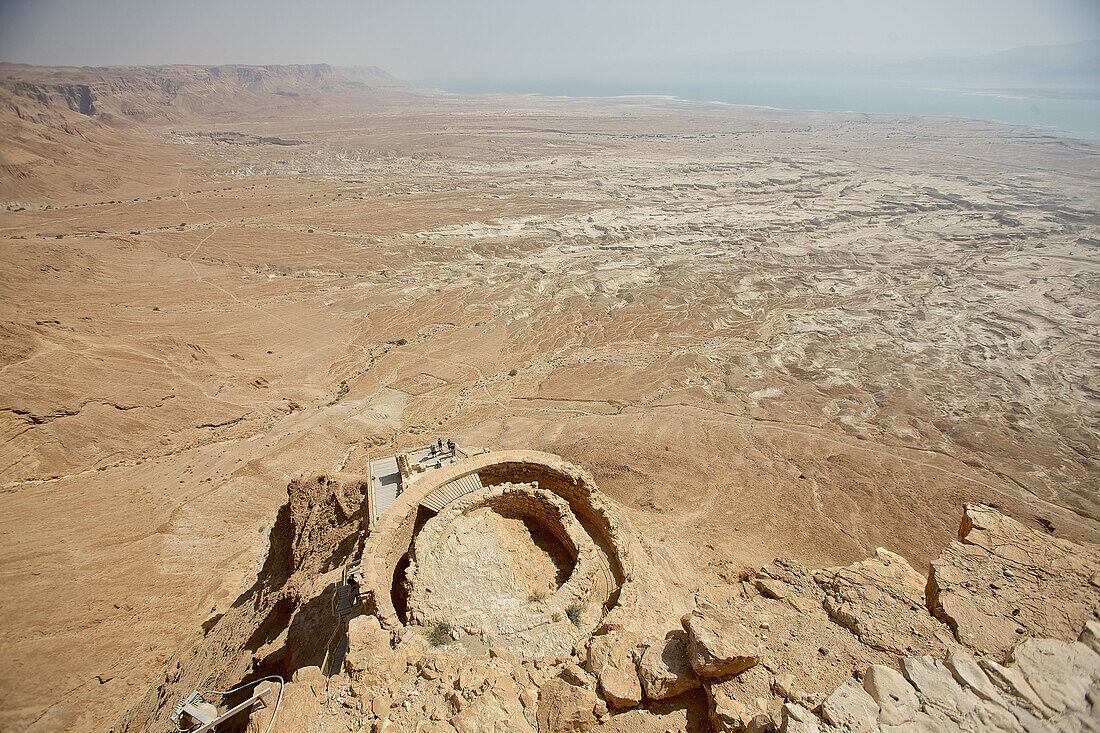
(852, 648)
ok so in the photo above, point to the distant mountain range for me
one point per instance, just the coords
(56, 119)
(1075, 63)
(116, 95)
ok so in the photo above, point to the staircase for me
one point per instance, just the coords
(385, 481)
(448, 492)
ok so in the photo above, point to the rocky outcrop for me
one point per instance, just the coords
(613, 658)
(851, 648)
(1001, 581)
(284, 621)
(881, 600)
(76, 97)
(718, 645)
(665, 669)
(1047, 685)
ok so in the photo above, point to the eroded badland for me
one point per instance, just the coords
(765, 334)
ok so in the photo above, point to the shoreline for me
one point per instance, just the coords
(1077, 135)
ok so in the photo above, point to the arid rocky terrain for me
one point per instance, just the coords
(766, 334)
(848, 649)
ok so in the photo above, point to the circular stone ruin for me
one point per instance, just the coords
(507, 566)
(535, 560)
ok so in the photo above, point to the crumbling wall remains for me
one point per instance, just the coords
(393, 534)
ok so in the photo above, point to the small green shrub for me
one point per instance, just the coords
(401, 342)
(574, 614)
(555, 617)
(513, 372)
(341, 390)
(440, 634)
(156, 308)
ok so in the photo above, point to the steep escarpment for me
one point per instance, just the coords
(840, 649)
(115, 94)
(76, 97)
(283, 622)
(58, 120)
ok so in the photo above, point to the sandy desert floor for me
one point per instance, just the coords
(765, 333)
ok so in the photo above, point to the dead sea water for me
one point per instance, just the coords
(1074, 112)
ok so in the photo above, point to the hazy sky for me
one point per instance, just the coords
(434, 39)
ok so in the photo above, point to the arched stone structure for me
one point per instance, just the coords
(393, 534)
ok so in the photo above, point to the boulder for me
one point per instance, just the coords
(942, 694)
(933, 680)
(785, 686)
(1090, 635)
(564, 708)
(612, 658)
(772, 588)
(1061, 673)
(665, 670)
(762, 723)
(576, 676)
(897, 701)
(298, 708)
(851, 708)
(968, 674)
(797, 719)
(718, 645)
(787, 577)
(1013, 682)
(501, 713)
(368, 646)
(727, 713)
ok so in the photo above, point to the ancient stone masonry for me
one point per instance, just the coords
(530, 605)
(392, 538)
(848, 649)
(457, 577)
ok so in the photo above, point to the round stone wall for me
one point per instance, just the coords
(508, 565)
(609, 585)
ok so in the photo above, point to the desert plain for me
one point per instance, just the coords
(765, 333)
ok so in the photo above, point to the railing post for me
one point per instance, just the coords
(368, 524)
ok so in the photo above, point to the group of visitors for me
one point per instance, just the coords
(436, 449)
